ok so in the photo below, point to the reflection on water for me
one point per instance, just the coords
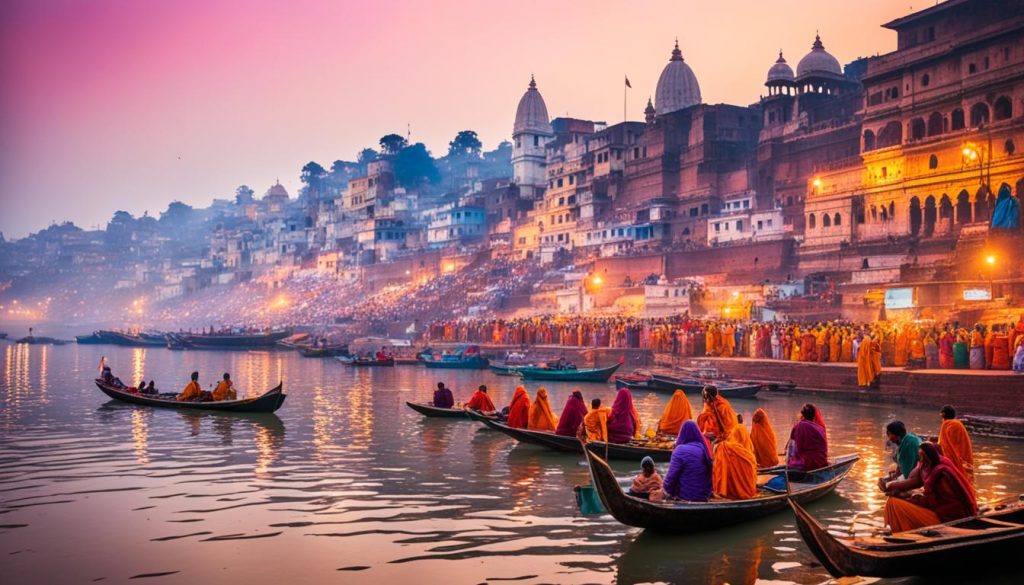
(346, 478)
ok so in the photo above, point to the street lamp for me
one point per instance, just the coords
(990, 259)
(597, 280)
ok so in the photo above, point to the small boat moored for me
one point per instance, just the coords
(269, 401)
(467, 358)
(989, 540)
(367, 362)
(569, 373)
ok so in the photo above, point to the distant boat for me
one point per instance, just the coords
(669, 384)
(569, 374)
(226, 340)
(269, 401)
(467, 358)
(366, 362)
(37, 340)
(432, 411)
(323, 351)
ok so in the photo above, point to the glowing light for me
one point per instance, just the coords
(990, 259)
(279, 303)
(727, 310)
(735, 293)
(598, 280)
(817, 183)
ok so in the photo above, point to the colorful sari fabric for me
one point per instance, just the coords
(809, 449)
(519, 409)
(677, 411)
(906, 454)
(766, 448)
(480, 401)
(734, 472)
(956, 446)
(717, 417)
(443, 398)
(572, 415)
(624, 420)
(596, 424)
(689, 471)
(541, 418)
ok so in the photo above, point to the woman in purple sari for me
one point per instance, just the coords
(572, 415)
(808, 448)
(689, 472)
(624, 420)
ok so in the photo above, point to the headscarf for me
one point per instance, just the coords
(766, 447)
(541, 418)
(624, 420)
(935, 470)
(572, 415)
(906, 453)
(519, 409)
(676, 411)
(690, 433)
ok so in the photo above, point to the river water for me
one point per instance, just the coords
(346, 484)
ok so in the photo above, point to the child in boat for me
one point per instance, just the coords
(647, 482)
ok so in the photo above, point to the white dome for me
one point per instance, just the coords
(532, 113)
(818, 61)
(677, 86)
(780, 71)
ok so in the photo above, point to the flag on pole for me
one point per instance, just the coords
(628, 84)
(103, 362)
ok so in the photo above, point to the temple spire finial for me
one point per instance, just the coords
(533, 82)
(677, 55)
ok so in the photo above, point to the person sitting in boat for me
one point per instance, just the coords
(734, 472)
(443, 396)
(907, 445)
(150, 389)
(225, 389)
(947, 495)
(717, 418)
(676, 412)
(595, 424)
(766, 449)
(481, 401)
(541, 418)
(624, 420)
(193, 390)
(955, 442)
(573, 413)
(382, 355)
(519, 409)
(808, 447)
(110, 379)
(646, 482)
(689, 471)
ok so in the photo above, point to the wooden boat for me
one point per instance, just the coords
(460, 362)
(678, 516)
(986, 541)
(436, 412)
(364, 362)
(322, 351)
(269, 401)
(226, 341)
(667, 384)
(37, 340)
(506, 369)
(570, 444)
(569, 374)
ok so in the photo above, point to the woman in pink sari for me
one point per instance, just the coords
(624, 420)
(946, 350)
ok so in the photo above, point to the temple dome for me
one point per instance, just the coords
(276, 191)
(780, 71)
(677, 86)
(532, 113)
(818, 61)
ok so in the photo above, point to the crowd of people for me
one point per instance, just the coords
(715, 455)
(901, 344)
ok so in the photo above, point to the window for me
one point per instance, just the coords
(885, 172)
(536, 140)
(826, 221)
(561, 200)
(812, 221)
(636, 152)
(704, 209)
(746, 204)
(979, 114)
(925, 80)
(693, 212)
(1003, 108)
(958, 119)
(837, 220)
(933, 162)
(1009, 147)
(739, 225)
(560, 182)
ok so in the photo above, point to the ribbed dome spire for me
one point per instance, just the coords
(677, 86)
(818, 61)
(532, 113)
(780, 71)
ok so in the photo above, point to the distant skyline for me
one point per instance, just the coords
(120, 104)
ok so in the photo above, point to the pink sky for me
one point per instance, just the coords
(127, 104)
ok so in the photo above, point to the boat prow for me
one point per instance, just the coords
(429, 410)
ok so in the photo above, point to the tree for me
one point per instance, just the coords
(414, 165)
(178, 214)
(312, 177)
(364, 158)
(244, 195)
(465, 143)
(392, 144)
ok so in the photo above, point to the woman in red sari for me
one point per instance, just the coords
(624, 420)
(947, 496)
(519, 409)
(808, 448)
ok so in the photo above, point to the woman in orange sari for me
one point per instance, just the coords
(717, 418)
(734, 470)
(541, 417)
(955, 442)
(519, 409)
(947, 494)
(677, 411)
(766, 447)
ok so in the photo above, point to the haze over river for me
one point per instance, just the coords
(346, 484)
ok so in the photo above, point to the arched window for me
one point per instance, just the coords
(979, 114)
(837, 220)
(982, 205)
(915, 215)
(874, 213)
(930, 215)
(945, 207)
(826, 221)
(892, 210)
(812, 221)
(891, 135)
(933, 162)
(1003, 108)
(869, 140)
(958, 119)
(934, 124)
(963, 207)
(917, 129)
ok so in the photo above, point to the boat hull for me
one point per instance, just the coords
(432, 411)
(570, 444)
(553, 375)
(703, 516)
(228, 341)
(728, 391)
(479, 363)
(270, 401)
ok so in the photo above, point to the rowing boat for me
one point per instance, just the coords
(459, 362)
(432, 411)
(727, 390)
(570, 444)
(269, 401)
(569, 374)
(988, 540)
(366, 362)
(681, 516)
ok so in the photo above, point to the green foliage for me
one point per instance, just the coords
(465, 143)
(414, 166)
(392, 144)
